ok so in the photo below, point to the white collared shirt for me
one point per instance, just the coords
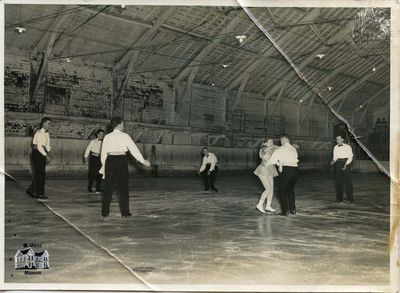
(343, 152)
(121, 142)
(94, 147)
(210, 158)
(265, 153)
(285, 155)
(42, 141)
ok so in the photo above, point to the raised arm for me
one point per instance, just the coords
(134, 150)
(203, 165)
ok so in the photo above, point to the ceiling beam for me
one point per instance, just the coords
(148, 34)
(188, 89)
(124, 81)
(311, 57)
(318, 34)
(36, 77)
(367, 104)
(132, 56)
(196, 61)
(215, 138)
(192, 67)
(313, 93)
(381, 104)
(279, 97)
(178, 30)
(239, 92)
(138, 135)
(380, 101)
(42, 43)
(182, 53)
(342, 96)
(283, 38)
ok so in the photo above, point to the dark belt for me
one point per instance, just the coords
(35, 147)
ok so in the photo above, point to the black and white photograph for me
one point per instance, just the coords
(201, 147)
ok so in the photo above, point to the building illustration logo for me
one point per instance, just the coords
(28, 259)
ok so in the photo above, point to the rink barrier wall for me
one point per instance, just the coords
(166, 159)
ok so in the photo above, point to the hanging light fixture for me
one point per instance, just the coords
(68, 58)
(20, 30)
(241, 38)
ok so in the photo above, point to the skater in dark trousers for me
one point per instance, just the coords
(115, 166)
(286, 158)
(342, 158)
(40, 157)
(93, 153)
(209, 170)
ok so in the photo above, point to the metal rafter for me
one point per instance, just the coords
(192, 68)
(148, 34)
(43, 40)
(188, 88)
(367, 103)
(51, 38)
(207, 49)
(311, 94)
(342, 96)
(311, 57)
(239, 92)
(131, 56)
(279, 97)
(284, 37)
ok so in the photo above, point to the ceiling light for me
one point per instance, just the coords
(241, 38)
(224, 65)
(320, 56)
(213, 84)
(329, 88)
(361, 106)
(301, 101)
(373, 69)
(20, 30)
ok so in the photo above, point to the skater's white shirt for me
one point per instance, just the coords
(42, 141)
(343, 151)
(285, 155)
(210, 158)
(94, 147)
(119, 142)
